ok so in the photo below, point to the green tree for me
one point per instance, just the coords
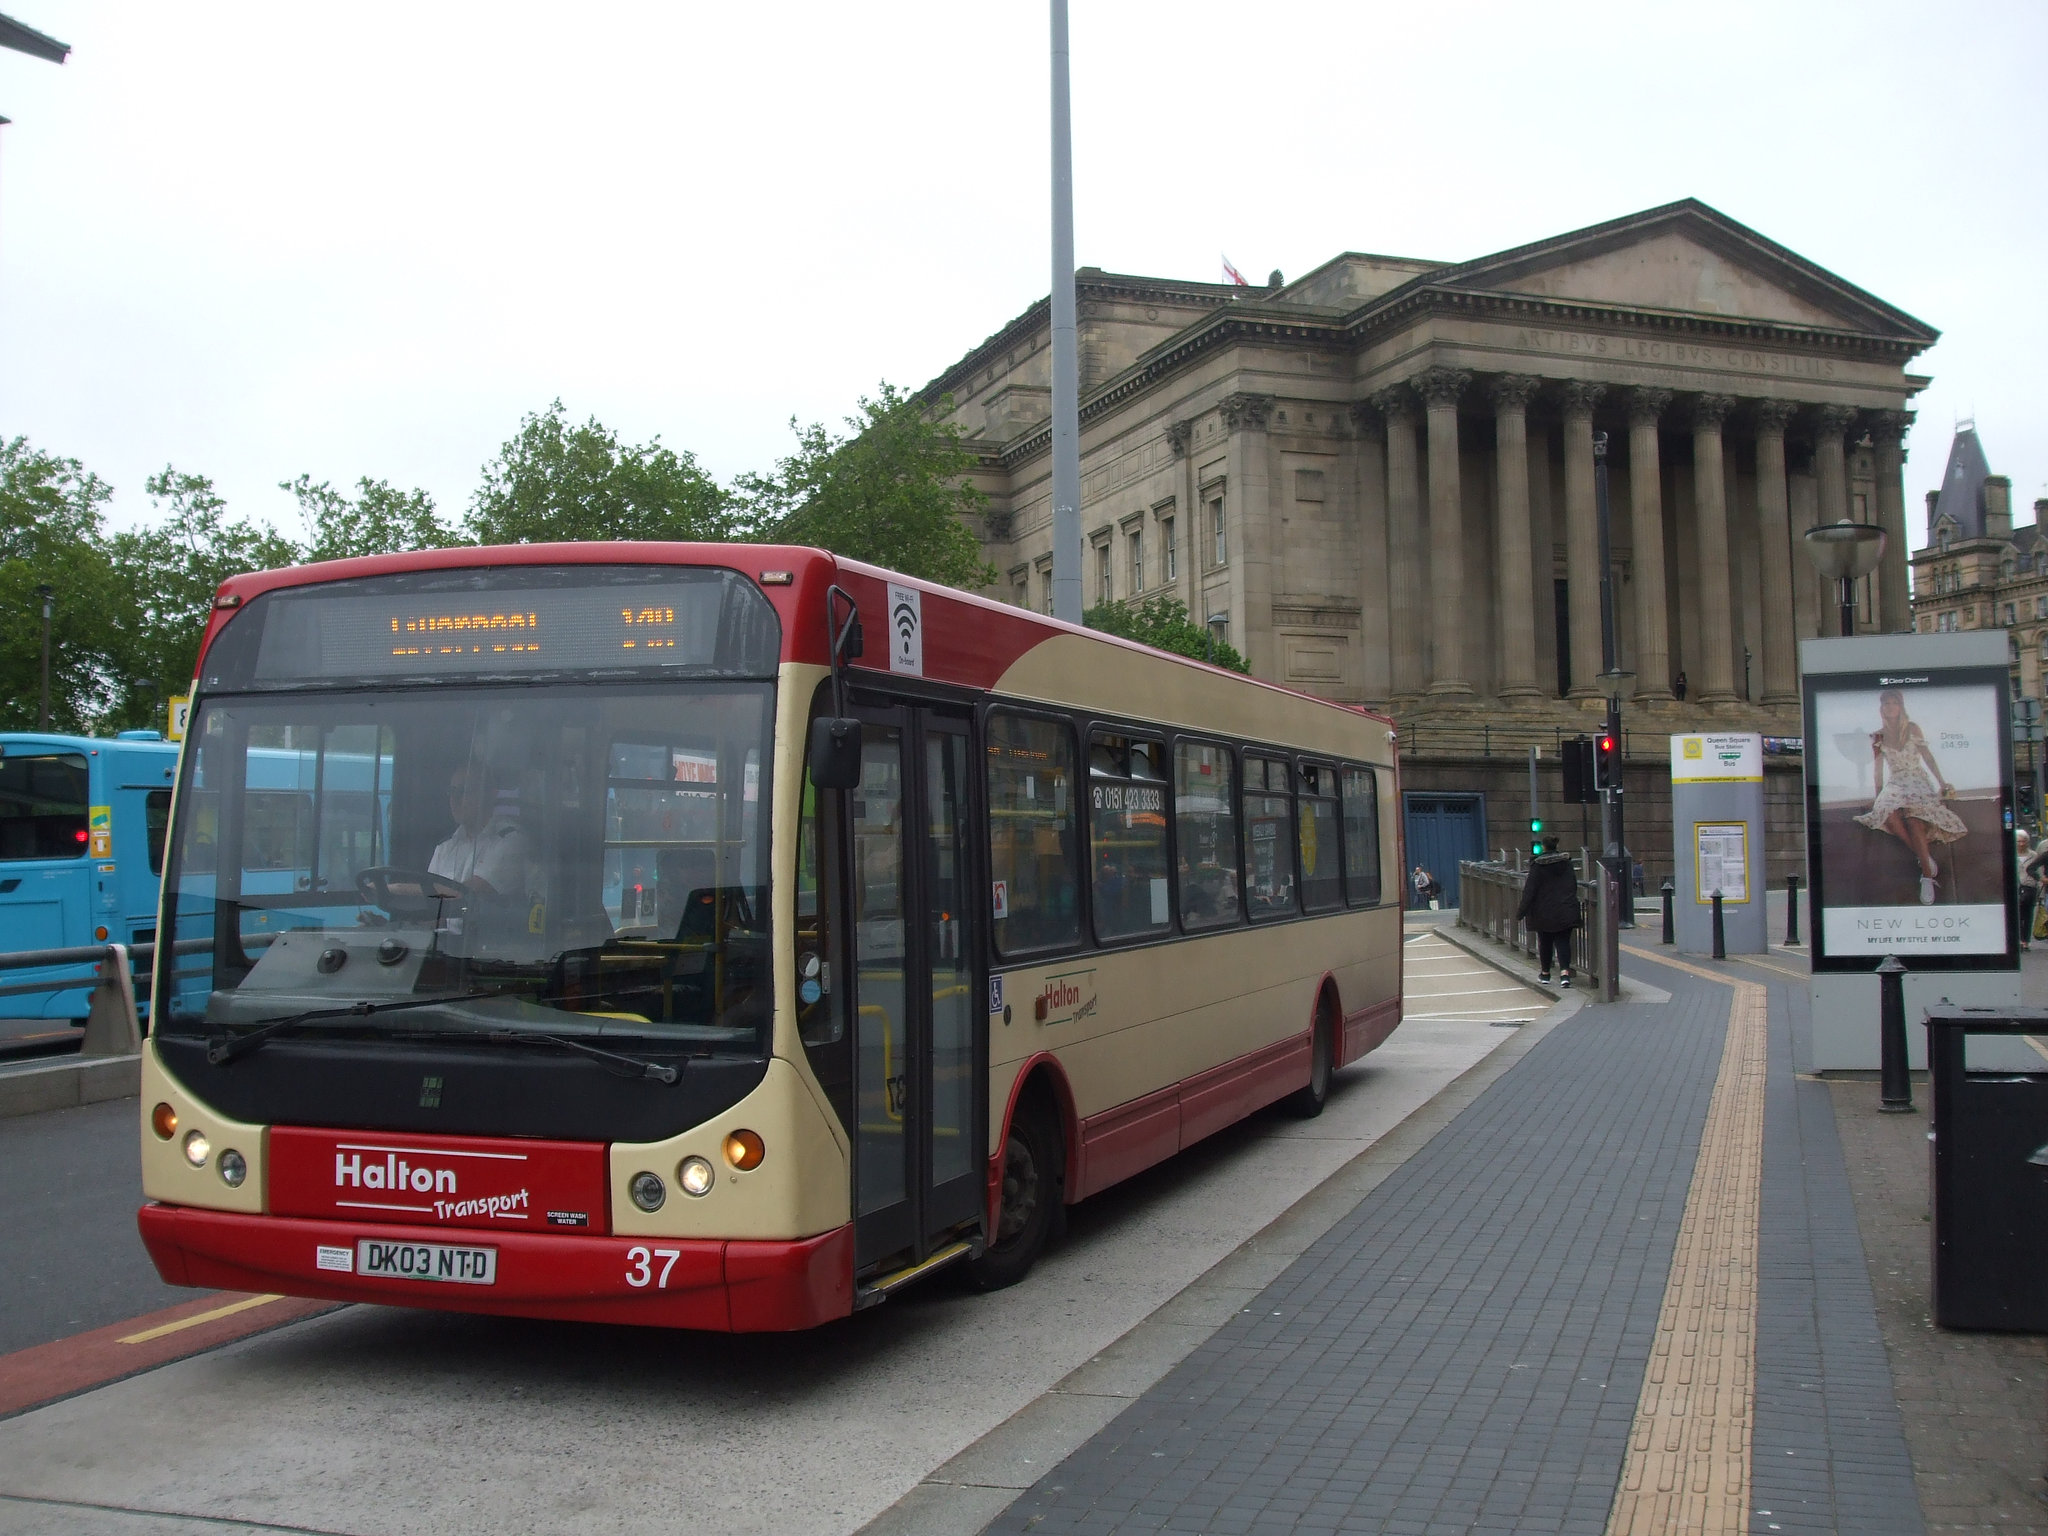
(380, 520)
(1163, 622)
(52, 533)
(168, 573)
(557, 483)
(892, 492)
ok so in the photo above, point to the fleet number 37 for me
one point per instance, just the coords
(640, 1262)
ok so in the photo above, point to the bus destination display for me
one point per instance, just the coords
(548, 629)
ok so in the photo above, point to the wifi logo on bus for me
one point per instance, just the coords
(906, 630)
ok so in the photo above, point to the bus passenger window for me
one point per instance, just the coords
(1127, 835)
(1322, 887)
(1269, 826)
(1205, 817)
(156, 821)
(42, 806)
(1361, 836)
(1031, 834)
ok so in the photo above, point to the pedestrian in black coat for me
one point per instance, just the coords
(1550, 906)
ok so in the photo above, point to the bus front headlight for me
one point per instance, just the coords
(197, 1148)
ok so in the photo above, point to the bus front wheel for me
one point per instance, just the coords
(1031, 1213)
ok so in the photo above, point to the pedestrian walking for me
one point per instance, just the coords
(1550, 906)
(1423, 884)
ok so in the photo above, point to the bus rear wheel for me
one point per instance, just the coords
(1306, 1103)
(1031, 1211)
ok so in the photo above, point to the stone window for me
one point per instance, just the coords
(1216, 526)
(1137, 561)
(1103, 587)
(2011, 617)
(2041, 607)
(1045, 590)
(1171, 554)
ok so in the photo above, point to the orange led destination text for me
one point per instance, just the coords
(465, 634)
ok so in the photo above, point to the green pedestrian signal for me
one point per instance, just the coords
(1536, 835)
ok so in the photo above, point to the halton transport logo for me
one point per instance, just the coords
(395, 1175)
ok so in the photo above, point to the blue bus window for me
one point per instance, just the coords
(43, 803)
(156, 816)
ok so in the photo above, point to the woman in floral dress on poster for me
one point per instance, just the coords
(1909, 797)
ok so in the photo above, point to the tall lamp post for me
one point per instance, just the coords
(1845, 552)
(48, 594)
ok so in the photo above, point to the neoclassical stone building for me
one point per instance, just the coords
(1378, 480)
(1380, 476)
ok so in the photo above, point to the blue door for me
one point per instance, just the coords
(1442, 829)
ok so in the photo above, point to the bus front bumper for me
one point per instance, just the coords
(726, 1286)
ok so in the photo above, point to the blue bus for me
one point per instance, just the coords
(81, 854)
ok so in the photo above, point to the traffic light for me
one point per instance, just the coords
(1578, 772)
(1536, 835)
(1607, 762)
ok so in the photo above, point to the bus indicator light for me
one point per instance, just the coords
(164, 1121)
(744, 1150)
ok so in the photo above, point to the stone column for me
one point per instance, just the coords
(1888, 432)
(1244, 418)
(1582, 537)
(1774, 532)
(1514, 554)
(1710, 508)
(1186, 520)
(1830, 467)
(1646, 529)
(1369, 476)
(1440, 388)
(1404, 537)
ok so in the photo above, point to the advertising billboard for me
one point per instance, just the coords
(1909, 818)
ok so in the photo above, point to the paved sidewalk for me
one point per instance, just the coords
(1466, 1350)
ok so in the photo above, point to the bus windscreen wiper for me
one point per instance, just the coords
(223, 1049)
(623, 1065)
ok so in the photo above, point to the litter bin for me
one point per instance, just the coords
(1990, 1166)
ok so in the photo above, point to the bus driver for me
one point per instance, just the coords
(486, 851)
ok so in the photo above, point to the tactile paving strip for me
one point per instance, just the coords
(1688, 1459)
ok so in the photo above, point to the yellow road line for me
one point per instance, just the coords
(1688, 1457)
(200, 1317)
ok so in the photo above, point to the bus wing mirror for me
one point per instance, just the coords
(835, 752)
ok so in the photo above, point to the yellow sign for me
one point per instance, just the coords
(101, 825)
(1694, 747)
(181, 709)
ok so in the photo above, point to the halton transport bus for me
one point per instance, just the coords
(723, 936)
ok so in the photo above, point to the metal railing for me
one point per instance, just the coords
(1488, 895)
(1485, 739)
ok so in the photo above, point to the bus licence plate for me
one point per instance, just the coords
(426, 1261)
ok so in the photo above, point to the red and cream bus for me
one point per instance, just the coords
(620, 957)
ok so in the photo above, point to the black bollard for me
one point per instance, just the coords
(1670, 928)
(1720, 936)
(1792, 909)
(1895, 1083)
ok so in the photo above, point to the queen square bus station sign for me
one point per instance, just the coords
(1909, 821)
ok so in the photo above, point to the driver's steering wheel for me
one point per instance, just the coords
(409, 895)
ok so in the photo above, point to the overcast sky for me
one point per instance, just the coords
(256, 240)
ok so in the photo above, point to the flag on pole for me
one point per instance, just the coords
(1233, 275)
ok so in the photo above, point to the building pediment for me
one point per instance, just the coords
(1685, 258)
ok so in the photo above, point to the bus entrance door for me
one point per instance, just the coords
(920, 1083)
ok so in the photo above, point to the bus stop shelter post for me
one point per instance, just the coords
(1895, 1083)
(1792, 908)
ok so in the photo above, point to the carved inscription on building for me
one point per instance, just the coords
(1679, 354)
